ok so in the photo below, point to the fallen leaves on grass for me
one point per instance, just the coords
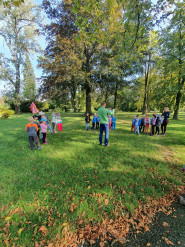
(43, 230)
(167, 241)
(165, 224)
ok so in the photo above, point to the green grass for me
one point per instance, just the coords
(74, 178)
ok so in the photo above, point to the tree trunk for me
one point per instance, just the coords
(17, 89)
(115, 95)
(17, 71)
(177, 104)
(145, 101)
(73, 95)
(88, 99)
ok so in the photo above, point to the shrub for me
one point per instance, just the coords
(6, 113)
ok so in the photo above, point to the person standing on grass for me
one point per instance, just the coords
(133, 124)
(32, 129)
(54, 122)
(153, 123)
(104, 123)
(43, 127)
(97, 122)
(142, 125)
(147, 123)
(93, 122)
(162, 126)
(158, 123)
(87, 121)
(113, 123)
(137, 124)
(166, 115)
(59, 122)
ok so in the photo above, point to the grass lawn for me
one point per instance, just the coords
(73, 179)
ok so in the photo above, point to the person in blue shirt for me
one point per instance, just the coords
(133, 124)
(97, 121)
(93, 122)
(113, 123)
(137, 124)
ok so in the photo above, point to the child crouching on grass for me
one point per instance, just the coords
(43, 127)
(32, 129)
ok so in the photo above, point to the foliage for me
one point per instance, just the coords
(29, 90)
(11, 3)
(18, 31)
(5, 112)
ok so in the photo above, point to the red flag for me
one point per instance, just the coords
(33, 108)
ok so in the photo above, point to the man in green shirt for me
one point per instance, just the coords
(104, 123)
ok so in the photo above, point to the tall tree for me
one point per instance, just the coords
(172, 50)
(29, 85)
(18, 30)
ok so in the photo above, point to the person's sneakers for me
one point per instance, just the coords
(107, 146)
(32, 149)
(39, 147)
(45, 143)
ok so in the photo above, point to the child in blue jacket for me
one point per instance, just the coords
(93, 122)
(137, 124)
(113, 123)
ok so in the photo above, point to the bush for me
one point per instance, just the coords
(5, 114)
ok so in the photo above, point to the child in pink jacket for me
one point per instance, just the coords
(43, 127)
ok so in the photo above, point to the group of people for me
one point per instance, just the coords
(104, 120)
(40, 123)
(96, 121)
(157, 122)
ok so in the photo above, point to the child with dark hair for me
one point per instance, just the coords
(158, 123)
(142, 125)
(87, 121)
(166, 115)
(93, 122)
(36, 121)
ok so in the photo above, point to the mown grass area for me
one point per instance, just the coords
(74, 178)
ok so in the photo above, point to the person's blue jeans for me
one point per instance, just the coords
(104, 127)
(49, 127)
(136, 129)
(113, 125)
(87, 126)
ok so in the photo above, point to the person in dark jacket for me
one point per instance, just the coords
(158, 123)
(87, 121)
(166, 115)
(142, 125)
